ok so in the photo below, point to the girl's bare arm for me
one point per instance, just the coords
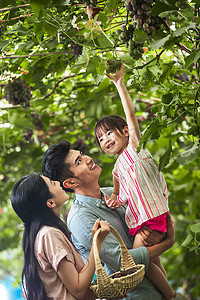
(133, 126)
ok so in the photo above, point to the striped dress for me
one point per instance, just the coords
(141, 186)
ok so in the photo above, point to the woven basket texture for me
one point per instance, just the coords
(106, 287)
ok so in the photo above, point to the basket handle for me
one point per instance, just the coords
(126, 259)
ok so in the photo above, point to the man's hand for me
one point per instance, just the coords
(151, 237)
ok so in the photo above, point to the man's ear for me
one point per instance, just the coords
(70, 183)
(51, 203)
(125, 131)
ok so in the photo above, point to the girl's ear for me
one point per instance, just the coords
(51, 203)
(125, 131)
(70, 183)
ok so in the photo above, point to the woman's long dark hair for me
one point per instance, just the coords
(28, 198)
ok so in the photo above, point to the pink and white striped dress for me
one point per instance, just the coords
(142, 186)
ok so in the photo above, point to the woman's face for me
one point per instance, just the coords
(59, 196)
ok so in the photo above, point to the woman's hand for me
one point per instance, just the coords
(118, 77)
(105, 229)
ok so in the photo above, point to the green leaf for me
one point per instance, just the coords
(39, 30)
(192, 58)
(195, 227)
(140, 35)
(51, 27)
(182, 30)
(153, 127)
(188, 239)
(164, 160)
(4, 44)
(156, 44)
(188, 156)
(167, 98)
(159, 7)
(166, 69)
(37, 8)
(103, 42)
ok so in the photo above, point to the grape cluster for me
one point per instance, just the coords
(140, 11)
(36, 120)
(113, 66)
(28, 135)
(77, 50)
(126, 36)
(123, 273)
(17, 92)
(194, 130)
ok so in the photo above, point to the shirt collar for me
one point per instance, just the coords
(89, 200)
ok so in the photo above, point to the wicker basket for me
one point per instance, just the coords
(105, 286)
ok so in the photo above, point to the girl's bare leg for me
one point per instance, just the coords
(156, 273)
(158, 263)
(156, 276)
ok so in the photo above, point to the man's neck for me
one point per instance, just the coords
(91, 191)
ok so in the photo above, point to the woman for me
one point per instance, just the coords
(53, 269)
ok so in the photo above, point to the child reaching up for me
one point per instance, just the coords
(137, 180)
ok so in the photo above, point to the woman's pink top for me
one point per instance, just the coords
(51, 246)
(142, 186)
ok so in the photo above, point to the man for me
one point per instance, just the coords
(77, 172)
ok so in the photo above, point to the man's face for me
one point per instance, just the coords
(83, 167)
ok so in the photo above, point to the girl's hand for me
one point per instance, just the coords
(118, 77)
(112, 202)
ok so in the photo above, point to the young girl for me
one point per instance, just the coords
(137, 179)
(53, 269)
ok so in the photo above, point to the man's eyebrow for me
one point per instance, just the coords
(77, 158)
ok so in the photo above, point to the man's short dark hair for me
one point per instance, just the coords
(53, 163)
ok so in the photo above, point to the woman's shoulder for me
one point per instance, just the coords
(44, 230)
(49, 233)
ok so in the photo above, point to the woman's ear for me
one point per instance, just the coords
(51, 203)
(70, 183)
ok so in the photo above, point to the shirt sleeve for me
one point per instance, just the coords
(52, 248)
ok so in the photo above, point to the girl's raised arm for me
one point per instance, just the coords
(133, 126)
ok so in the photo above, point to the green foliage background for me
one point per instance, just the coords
(69, 94)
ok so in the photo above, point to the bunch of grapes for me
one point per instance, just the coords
(77, 50)
(113, 66)
(36, 120)
(126, 36)
(194, 127)
(140, 11)
(28, 135)
(17, 92)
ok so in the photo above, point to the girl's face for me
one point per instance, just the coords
(59, 196)
(112, 142)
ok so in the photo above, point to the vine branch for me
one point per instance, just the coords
(14, 7)
(34, 54)
(57, 83)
